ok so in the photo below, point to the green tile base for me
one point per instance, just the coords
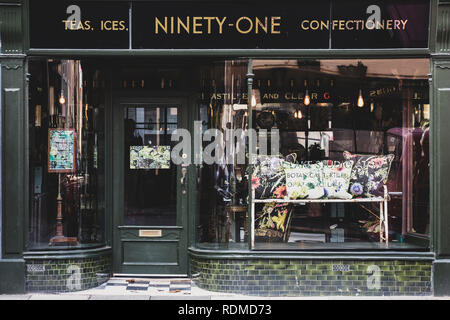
(66, 275)
(295, 277)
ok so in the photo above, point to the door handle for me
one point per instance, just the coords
(183, 175)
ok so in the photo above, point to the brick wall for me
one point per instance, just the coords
(279, 277)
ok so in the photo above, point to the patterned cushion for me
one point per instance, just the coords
(273, 222)
(304, 180)
(336, 178)
(268, 177)
(369, 173)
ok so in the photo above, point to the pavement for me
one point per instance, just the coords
(174, 289)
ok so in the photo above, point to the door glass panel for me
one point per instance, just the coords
(150, 177)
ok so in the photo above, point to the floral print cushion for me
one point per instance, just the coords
(268, 177)
(273, 222)
(369, 173)
(336, 178)
(304, 180)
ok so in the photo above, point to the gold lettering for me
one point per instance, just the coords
(195, 24)
(209, 23)
(404, 23)
(334, 24)
(324, 25)
(389, 24)
(184, 26)
(303, 27)
(314, 25)
(380, 24)
(347, 25)
(239, 28)
(275, 24)
(163, 27)
(220, 23)
(263, 26)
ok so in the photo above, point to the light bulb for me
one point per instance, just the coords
(360, 100)
(307, 99)
(62, 100)
(253, 101)
(300, 115)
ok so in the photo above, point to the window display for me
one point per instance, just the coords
(66, 132)
(353, 144)
(359, 129)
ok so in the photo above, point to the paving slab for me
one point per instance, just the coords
(58, 297)
(15, 297)
(119, 297)
(180, 297)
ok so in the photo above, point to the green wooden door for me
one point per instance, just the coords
(149, 194)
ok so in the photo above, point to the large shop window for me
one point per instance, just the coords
(348, 130)
(66, 139)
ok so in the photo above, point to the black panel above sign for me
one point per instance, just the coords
(79, 25)
(322, 24)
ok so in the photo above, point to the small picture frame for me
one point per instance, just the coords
(61, 150)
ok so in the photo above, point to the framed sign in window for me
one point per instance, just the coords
(61, 150)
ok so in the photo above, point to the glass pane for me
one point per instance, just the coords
(68, 96)
(150, 176)
(223, 186)
(354, 127)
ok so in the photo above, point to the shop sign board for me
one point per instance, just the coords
(323, 24)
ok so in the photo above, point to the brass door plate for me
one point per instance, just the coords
(150, 233)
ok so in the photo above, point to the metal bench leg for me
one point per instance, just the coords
(381, 222)
(386, 222)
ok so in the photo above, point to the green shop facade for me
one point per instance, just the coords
(116, 123)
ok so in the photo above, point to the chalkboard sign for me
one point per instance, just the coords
(61, 150)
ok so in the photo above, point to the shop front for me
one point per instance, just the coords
(276, 150)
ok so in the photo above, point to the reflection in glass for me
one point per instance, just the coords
(223, 188)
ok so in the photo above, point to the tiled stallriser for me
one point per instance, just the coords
(313, 277)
